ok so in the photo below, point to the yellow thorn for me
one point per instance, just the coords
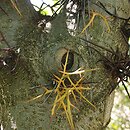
(15, 6)
(92, 19)
(37, 97)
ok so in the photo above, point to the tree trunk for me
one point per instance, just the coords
(40, 57)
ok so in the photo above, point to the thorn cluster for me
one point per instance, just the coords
(66, 93)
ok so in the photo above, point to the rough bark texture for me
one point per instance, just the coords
(38, 61)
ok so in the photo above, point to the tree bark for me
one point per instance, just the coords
(40, 58)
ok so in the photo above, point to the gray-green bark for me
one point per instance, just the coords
(38, 62)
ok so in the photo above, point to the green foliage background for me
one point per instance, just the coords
(120, 116)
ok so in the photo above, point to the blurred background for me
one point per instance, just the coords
(120, 116)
